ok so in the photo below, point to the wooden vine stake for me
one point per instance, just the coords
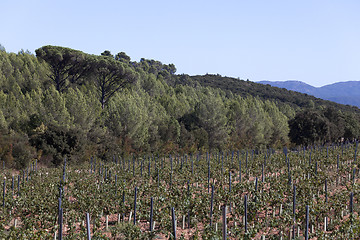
(326, 191)
(351, 202)
(4, 193)
(229, 181)
(173, 222)
(245, 213)
(123, 205)
(60, 224)
(135, 205)
(246, 163)
(239, 167)
(224, 222)
(88, 226)
(12, 184)
(307, 223)
(151, 214)
(18, 185)
(211, 204)
(107, 222)
(208, 174)
(294, 210)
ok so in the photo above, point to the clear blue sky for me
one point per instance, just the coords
(315, 41)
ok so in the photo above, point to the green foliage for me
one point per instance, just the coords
(352, 126)
(3, 123)
(22, 153)
(67, 65)
(119, 105)
(128, 231)
(54, 111)
(326, 125)
(15, 150)
(128, 117)
(58, 143)
(307, 127)
(110, 77)
(280, 128)
(123, 57)
(211, 114)
(83, 107)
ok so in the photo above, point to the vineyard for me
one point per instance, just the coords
(248, 194)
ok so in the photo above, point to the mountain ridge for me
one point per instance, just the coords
(347, 92)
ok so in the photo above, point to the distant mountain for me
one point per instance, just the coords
(341, 92)
(297, 86)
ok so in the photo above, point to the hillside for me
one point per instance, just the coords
(63, 102)
(268, 92)
(341, 92)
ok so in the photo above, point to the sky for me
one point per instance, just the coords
(314, 41)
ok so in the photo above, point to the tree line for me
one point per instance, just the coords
(63, 102)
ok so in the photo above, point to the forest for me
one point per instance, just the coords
(63, 103)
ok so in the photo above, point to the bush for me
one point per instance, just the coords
(16, 151)
(58, 143)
